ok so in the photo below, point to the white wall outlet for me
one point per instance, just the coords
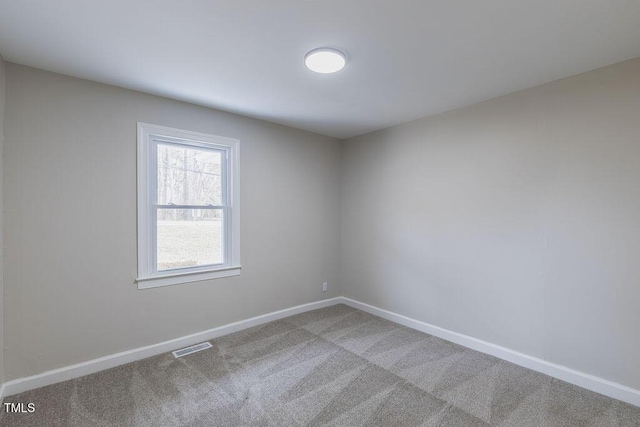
(324, 287)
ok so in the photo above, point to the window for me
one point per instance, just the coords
(188, 206)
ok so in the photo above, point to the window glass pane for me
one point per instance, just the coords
(189, 238)
(189, 175)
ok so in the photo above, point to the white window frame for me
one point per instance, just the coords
(148, 137)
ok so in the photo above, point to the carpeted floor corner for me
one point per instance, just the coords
(335, 366)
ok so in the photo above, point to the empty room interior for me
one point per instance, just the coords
(320, 212)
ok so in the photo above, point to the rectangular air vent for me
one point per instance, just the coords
(192, 349)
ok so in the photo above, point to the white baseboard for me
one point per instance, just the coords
(96, 365)
(581, 379)
(590, 382)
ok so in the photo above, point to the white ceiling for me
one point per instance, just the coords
(408, 59)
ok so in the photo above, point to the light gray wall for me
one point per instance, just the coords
(70, 222)
(515, 221)
(2, 90)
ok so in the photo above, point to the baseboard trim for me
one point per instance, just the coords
(100, 364)
(581, 379)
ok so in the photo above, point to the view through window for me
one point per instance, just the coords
(190, 208)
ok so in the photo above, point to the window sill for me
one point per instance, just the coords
(193, 276)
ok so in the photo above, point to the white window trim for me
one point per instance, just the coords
(147, 278)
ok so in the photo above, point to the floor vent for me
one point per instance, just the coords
(192, 349)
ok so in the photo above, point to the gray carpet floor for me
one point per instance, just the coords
(336, 366)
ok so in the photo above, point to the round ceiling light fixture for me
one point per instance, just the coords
(325, 60)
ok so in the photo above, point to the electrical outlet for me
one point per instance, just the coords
(324, 287)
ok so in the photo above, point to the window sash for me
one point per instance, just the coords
(153, 167)
(153, 192)
(204, 207)
(224, 237)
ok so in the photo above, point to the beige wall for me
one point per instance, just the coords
(2, 90)
(70, 222)
(515, 221)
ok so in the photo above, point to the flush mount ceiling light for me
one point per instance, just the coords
(325, 60)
